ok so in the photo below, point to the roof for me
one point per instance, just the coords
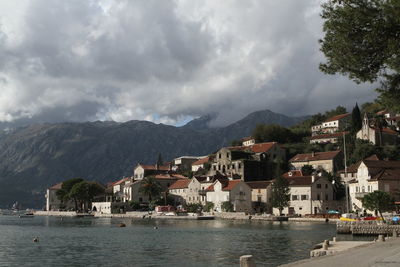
(184, 183)
(201, 161)
(384, 164)
(389, 131)
(154, 167)
(256, 148)
(56, 186)
(329, 135)
(316, 156)
(227, 185)
(338, 117)
(244, 139)
(170, 176)
(293, 173)
(301, 180)
(259, 184)
(387, 174)
(123, 180)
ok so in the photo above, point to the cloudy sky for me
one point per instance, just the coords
(164, 61)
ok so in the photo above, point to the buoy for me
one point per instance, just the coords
(121, 225)
(155, 227)
(36, 239)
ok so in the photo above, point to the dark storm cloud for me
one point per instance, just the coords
(165, 60)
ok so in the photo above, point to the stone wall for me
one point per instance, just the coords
(366, 228)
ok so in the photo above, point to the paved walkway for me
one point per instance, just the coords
(377, 254)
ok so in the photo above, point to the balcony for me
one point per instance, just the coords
(202, 192)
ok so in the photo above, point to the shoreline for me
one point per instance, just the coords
(146, 215)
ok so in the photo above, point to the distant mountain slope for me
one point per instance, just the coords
(34, 157)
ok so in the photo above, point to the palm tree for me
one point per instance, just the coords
(150, 187)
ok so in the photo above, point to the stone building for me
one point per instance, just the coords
(373, 175)
(377, 136)
(184, 163)
(237, 192)
(334, 124)
(52, 201)
(261, 196)
(310, 195)
(328, 138)
(200, 164)
(330, 161)
(247, 162)
(141, 170)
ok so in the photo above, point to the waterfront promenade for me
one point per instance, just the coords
(374, 254)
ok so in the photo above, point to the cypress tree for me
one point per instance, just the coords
(356, 121)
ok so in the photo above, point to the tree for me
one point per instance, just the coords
(272, 133)
(64, 193)
(378, 201)
(209, 206)
(150, 187)
(80, 193)
(361, 41)
(363, 149)
(227, 206)
(280, 196)
(194, 207)
(356, 121)
(307, 169)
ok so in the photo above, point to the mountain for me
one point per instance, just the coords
(34, 157)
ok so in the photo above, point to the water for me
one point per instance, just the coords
(99, 242)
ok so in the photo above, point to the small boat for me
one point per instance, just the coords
(27, 214)
(349, 217)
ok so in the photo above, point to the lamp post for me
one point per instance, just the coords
(345, 173)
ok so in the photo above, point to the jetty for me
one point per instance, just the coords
(367, 228)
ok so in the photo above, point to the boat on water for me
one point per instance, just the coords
(351, 217)
(205, 217)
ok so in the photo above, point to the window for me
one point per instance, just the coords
(318, 185)
(259, 191)
(326, 186)
(258, 198)
(318, 197)
(357, 189)
(304, 197)
(326, 197)
(214, 168)
(219, 167)
(295, 197)
(227, 198)
(239, 166)
(363, 189)
(219, 155)
(227, 155)
(369, 189)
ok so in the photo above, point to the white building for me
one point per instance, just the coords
(330, 161)
(199, 164)
(332, 125)
(237, 192)
(377, 136)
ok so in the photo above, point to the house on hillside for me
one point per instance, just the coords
(334, 124)
(200, 164)
(248, 141)
(330, 161)
(373, 175)
(247, 162)
(328, 138)
(237, 192)
(312, 194)
(377, 136)
(261, 196)
(141, 170)
(391, 118)
(184, 163)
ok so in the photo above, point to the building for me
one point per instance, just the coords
(330, 161)
(200, 164)
(312, 194)
(141, 170)
(247, 162)
(184, 163)
(237, 192)
(334, 124)
(373, 175)
(261, 196)
(391, 118)
(328, 138)
(52, 201)
(376, 135)
(248, 141)
(187, 191)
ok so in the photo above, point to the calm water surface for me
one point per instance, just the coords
(99, 242)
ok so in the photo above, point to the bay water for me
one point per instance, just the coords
(148, 242)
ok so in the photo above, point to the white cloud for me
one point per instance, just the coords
(164, 60)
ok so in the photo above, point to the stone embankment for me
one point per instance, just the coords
(56, 213)
(366, 228)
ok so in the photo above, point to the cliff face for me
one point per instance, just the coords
(35, 157)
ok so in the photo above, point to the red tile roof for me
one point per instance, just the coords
(353, 168)
(301, 180)
(201, 161)
(387, 174)
(184, 183)
(256, 148)
(120, 181)
(259, 184)
(317, 156)
(338, 117)
(329, 135)
(389, 131)
(244, 139)
(227, 185)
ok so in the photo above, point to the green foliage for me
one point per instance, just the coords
(161, 201)
(209, 206)
(361, 41)
(280, 196)
(84, 192)
(379, 200)
(371, 108)
(194, 207)
(236, 143)
(272, 133)
(134, 205)
(356, 121)
(150, 187)
(227, 206)
(362, 150)
(307, 169)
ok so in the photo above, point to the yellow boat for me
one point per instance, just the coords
(344, 219)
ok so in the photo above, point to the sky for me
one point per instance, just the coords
(164, 61)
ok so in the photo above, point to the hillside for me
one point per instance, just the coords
(37, 156)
